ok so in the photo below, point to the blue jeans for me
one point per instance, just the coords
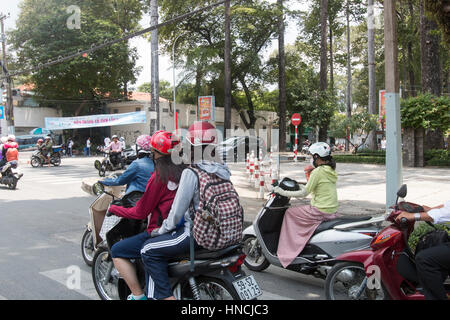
(130, 248)
(156, 253)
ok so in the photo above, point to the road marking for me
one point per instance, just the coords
(272, 296)
(61, 276)
(3, 298)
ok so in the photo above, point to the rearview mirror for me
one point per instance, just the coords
(98, 188)
(401, 193)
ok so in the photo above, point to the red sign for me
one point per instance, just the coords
(296, 119)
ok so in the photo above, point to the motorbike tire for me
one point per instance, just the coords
(208, 286)
(101, 262)
(374, 294)
(87, 247)
(56, 161)
(13, 184)
(35, 162)
(255, 260)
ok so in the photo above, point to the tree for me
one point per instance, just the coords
(42, 34)
(323, 58)
(281, 78)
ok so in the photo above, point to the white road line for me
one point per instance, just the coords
(64, 276)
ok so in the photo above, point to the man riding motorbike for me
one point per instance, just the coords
(138, 173)
(154, 204)
(116, 150)
(45, 150)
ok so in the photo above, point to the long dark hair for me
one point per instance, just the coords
(166, 170)
(329, 161)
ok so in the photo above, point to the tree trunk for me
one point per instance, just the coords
(431, 70)
(227, 62)
(281, 79)
(323, 59)
(154, 123)
(372, 137)
(412, 78)
(331, 61)
(349, 71)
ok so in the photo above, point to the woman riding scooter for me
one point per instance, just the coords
(138, 173)
(154, 204)
(299, 223)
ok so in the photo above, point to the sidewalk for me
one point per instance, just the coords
(361, 187)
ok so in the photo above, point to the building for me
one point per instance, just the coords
(187, 114)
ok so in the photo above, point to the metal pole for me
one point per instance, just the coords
(154, 124)
(174, 82)
(393, 126)
(10, 107)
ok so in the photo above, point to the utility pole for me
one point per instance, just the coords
(227, 62)
(372, 139)
(393, 126)
(154, 123)
(9, 106)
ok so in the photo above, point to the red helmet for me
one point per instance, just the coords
(164, 141)
(201, 133)
(40, 140)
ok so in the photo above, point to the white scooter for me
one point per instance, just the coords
(330, 239)
(97, 212)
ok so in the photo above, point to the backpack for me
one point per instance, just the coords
(12, 154)
(218, 221)
(431, 239)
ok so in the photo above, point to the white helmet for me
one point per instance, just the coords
(11, 137)
(322, 149)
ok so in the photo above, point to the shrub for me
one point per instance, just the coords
(359, 159)
(437, 157)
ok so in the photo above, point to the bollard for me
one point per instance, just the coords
(256, 176)
(261, 185)
(252, 167)
(247, 164)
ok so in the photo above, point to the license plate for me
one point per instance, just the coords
(247, 288)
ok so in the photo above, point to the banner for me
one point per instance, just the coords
(206, 106)
(99, 120)
(382, 107)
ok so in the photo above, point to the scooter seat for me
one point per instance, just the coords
(204, 254)
(326, 225)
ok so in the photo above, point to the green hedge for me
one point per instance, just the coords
(437, 157)
(370, 159)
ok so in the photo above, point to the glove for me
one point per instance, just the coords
(154, 233)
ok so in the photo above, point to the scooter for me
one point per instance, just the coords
(384, 271)
(107, 165)
(98, 207)
(210, 275)
(55, 158)
(9, 175)
(330, 239)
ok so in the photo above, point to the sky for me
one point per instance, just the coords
(142, 45)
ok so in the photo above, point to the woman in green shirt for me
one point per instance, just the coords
(299, 223)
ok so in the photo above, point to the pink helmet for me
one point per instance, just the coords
(143, 142)
(202, 133)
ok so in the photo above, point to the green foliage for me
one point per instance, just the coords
(42, 33)
(426, 111)
(367, 159)
(437, 157)
(420, 230)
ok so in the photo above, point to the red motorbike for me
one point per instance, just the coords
(385, 271)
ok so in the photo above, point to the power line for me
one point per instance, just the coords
(107, 43)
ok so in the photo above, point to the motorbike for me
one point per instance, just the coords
(199, 275)
(55, 158)
(97, 207)
(9, 175)
(107, 165)
(330, 239)
(384, 271)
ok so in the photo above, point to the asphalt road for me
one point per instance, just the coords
(41, 225)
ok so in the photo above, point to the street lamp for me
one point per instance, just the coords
(174, 83)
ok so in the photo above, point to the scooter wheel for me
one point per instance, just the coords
(87, 247)
(255, 259)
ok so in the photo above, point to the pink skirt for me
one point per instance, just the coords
(299, 223)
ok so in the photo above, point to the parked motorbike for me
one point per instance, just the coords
(107, 165)
(89, 244)
(55, 158)
(211, 275)
(9, 175)
(384, 271)
(330, 239)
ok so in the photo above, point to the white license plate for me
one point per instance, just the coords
(247, 288)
